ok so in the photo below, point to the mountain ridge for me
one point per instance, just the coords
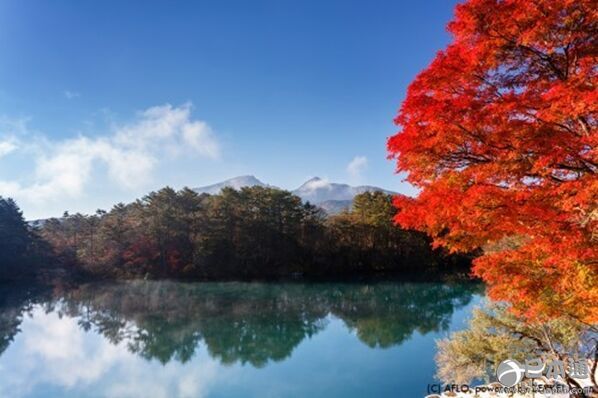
(331, 196)
(235, 182)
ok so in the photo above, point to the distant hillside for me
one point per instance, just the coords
(335, 206)
(330, 196)
(317, 190)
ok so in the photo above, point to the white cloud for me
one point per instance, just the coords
(198, 136)
(71, 94)
(7, 146)
(130, 153)
(357, 166)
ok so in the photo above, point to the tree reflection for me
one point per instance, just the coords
(247, 323)
(15, 301)
(385, 315)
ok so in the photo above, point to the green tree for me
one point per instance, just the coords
(374, 208)
(18, 243)
(14, 233)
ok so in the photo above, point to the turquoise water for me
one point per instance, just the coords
(169, 339)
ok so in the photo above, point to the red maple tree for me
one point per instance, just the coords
(499, 134)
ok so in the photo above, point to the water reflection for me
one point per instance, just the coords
(15, 302)
(246, 323)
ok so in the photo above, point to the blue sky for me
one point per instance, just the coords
(103, 101)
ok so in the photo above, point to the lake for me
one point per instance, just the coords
(172, 339)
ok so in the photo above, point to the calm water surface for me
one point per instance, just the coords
(169, 339)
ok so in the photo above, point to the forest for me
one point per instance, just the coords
(252, 233)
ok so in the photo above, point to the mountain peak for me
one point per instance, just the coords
(310, 185)
(235, 183)
(246, 178)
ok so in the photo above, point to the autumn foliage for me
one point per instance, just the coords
(499, 133)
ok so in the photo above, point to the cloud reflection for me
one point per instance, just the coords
(54, 350)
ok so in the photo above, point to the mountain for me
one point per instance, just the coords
(318, 191)
(37, 223)
(330, 196)
(236, 183)
(335, 206)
